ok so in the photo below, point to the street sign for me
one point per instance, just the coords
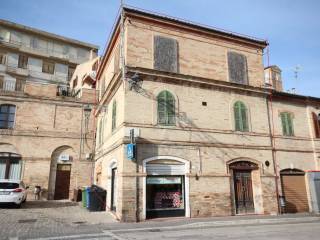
(131, 151)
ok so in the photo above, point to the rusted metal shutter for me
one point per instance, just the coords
(294, 190)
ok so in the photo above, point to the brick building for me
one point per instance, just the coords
(214, 136)
(45, 128)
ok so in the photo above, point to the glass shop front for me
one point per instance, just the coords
(165, 196)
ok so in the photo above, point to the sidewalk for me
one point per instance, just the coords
(174, 223)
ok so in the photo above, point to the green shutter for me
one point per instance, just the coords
(237, 117)
(240, 117)
(287, 124)
(284, 123)
(166, 108)
(290, 124)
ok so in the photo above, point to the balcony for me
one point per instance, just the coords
(66, 91)
(11, 69)
(45, 52)
(12, 85)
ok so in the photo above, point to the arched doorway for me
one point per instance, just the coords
(294, 190)
(166, 187)
(241, 172)
(60, 173)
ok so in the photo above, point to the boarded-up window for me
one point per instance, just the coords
(238, 72)
(165, 54)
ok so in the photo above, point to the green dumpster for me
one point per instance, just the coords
(84, 197)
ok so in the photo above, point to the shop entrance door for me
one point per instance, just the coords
(62, 181)
(165, 196)
(113, 189)
(243, 192)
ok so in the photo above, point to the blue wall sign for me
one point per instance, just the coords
(131, 151)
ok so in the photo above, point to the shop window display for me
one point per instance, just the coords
(165, 196)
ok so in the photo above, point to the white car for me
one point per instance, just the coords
(12, 191)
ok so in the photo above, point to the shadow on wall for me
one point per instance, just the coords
(188, 124)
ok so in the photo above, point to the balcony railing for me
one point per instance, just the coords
(51, 52)
(12, 85)
(66, 91)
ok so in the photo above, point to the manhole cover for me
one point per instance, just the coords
(27, 220)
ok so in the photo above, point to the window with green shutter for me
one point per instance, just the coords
(287, 124)
(114, 115)
(241, 117)
(166, 108)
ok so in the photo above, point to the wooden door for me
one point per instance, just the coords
(243, 191)
(295, 193)
(62, 181)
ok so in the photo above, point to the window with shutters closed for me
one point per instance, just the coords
(237, 64)
(316, 123)
(241, 117)
(114, 115)
(166, 108)
(165, 54)
(287, 124)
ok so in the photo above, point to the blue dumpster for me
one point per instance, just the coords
(88, 197)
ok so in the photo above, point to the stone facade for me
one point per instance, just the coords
(49, 126)
(203, 142)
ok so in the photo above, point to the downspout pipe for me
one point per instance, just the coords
(272, 142)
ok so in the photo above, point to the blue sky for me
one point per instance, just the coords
(291, 26)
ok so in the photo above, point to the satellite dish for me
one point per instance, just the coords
(93, 74)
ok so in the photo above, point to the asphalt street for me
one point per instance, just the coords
(55, 220)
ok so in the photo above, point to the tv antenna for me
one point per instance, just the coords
(296, 71)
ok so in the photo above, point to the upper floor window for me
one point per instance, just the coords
(238, 71)
(23, 61)
(316, 122)
(165, 54)
(7, 115)
(10, 168)
(70, 72)
(166, 108)
(48, 67)
(114, 115)
(287, 123)
(241, 117)
(2, 58)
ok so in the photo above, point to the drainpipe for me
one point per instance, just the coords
(272, 141)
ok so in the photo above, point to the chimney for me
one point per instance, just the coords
(272, 77)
